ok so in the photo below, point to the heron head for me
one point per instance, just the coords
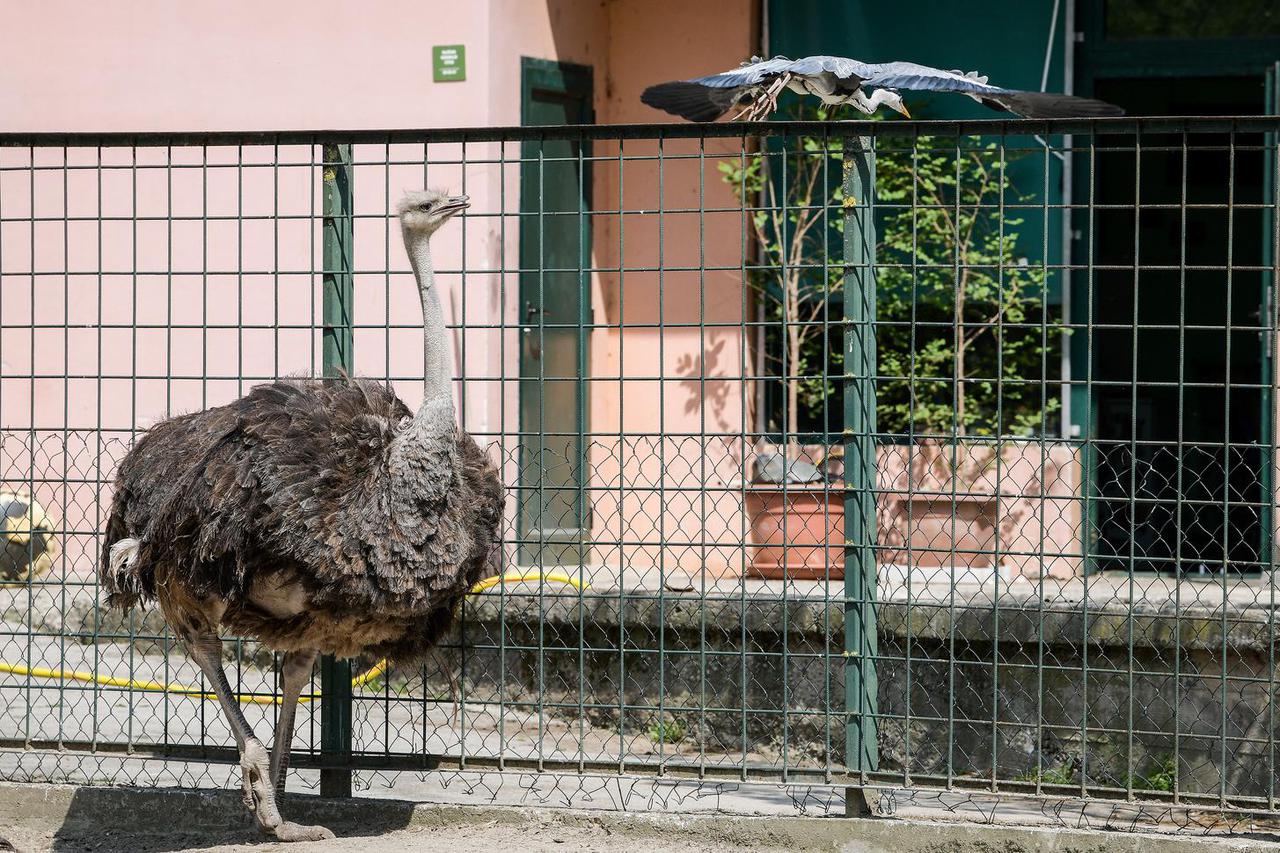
(425, 211)
(893, 101)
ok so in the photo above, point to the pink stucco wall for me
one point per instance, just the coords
(196, 271)
(683, 489)
(244, 65)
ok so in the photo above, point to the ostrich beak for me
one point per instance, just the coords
(455, 204)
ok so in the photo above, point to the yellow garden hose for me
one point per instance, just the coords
(527, 575)
(186, 690)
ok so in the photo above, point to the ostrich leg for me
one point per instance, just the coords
(206, 650)
(295, 672)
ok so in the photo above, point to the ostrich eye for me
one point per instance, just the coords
(425, 208)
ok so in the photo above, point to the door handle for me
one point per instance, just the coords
(532, 343)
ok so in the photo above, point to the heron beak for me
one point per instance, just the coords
(903, 109)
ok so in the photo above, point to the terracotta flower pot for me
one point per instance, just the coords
(797, 534)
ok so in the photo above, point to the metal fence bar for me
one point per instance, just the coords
(338, 357)
(1271, 247)
(860, 462)
(1178, 534)
(720, 130)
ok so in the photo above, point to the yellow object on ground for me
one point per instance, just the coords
(530, 575)
(186, 690)
(28, 542)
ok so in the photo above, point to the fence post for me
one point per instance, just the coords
(339, 298)
(862, 747)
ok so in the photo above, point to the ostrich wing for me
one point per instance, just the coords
(219, 494)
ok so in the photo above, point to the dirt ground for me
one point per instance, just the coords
(67, 819)
(545, 835)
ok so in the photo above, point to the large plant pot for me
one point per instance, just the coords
(797, 534)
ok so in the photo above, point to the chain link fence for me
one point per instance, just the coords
(921, 457)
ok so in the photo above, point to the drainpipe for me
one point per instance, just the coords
(1068, 87)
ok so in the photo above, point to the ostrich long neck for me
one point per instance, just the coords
(437, 366)
(426, 450)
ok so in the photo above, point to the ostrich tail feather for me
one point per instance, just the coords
(120, 578)
(123, 553)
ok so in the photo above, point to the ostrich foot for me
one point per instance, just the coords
(259, 797)
(288, 831)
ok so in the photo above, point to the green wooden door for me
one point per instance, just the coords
(554, 259)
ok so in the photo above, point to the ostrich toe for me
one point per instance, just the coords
(260, 797)
(259, 794)
(288, 831)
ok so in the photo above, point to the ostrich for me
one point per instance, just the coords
(318, 516)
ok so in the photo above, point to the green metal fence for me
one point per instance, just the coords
(931, 459)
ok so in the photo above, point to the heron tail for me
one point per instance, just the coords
(1051, 105)
(691, 101)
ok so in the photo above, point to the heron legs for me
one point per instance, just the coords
(767, 101)
(255, 762)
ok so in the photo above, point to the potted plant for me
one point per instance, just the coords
(796, 515)
(968, 351)
(965, 343)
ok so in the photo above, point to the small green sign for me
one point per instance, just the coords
(449, 63)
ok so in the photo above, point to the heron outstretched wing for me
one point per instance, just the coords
(707, 98)
(922, 78)
(746, 75)
(838, 66)
(762, 71)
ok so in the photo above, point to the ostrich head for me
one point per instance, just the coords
(421, 213)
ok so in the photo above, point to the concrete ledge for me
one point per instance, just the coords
(147, 817)
(975, 615)
(1104, 618)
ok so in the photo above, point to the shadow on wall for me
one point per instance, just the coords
(706, 391)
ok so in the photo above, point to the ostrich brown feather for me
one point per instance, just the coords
(281, 506)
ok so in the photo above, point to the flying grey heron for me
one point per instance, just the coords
(835, 80)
